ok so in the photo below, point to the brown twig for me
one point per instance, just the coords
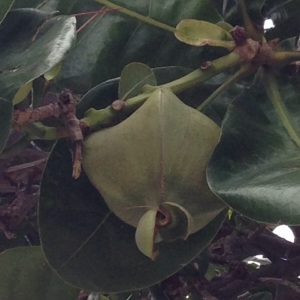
(72, 125)
(65, 108)
(22, 118)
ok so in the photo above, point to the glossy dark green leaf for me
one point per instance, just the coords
(5, 6)
(133, 77)
(32, 42)
(255, 167)
(25, 275)
(115, 40)
(6, 108)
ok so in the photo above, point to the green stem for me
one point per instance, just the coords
(134, 15)
(242, 72)
(215, 67)
(273, 93)
(97, 118)
(17, 147)
(282, 58)
(249, 27)
(40, 131)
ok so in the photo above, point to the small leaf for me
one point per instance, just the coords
(229, 215)
(201, 33)
(22, 93)
(25, 275)
(133, 77)
(51, 74)
(145, 234)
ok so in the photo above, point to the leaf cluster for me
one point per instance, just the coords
(109, 57)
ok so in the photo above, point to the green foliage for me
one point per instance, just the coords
(97, 232)
(40, 42)
(115, 40)
(254, 168)
(92, 231)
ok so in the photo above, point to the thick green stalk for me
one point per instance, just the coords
(200, 75)
(273, 93)
(242, 72)
(97, 118)
(134, 15)
(249, 27)
(281, 58)
(40, 131)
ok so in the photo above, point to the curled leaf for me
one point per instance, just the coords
(201, 33)
(145, 234)
(180, 225)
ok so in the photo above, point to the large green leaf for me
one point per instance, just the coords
(84, 242)
(5, 6)
(32, 42)
(113, 40)
(255, 167)
(25, 275)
